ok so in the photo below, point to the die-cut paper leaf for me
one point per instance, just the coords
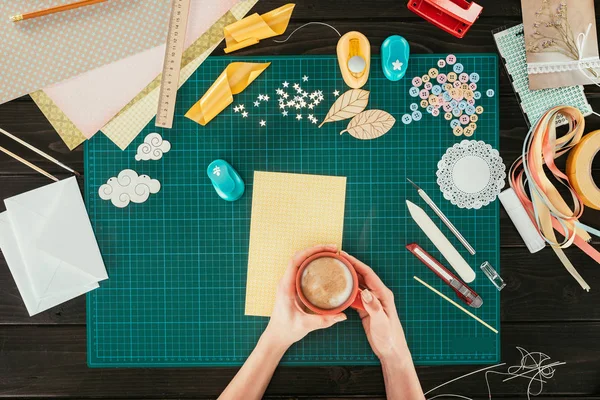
(347, 105)
(370, 124)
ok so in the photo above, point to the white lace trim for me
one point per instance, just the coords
(549, 67)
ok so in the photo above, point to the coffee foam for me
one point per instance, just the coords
(327, 283)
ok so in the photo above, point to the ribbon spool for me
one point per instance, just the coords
(579, 169)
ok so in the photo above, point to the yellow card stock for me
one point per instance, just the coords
(290, 212)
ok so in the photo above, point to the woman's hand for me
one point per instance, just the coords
(289, 322)
(380, 318)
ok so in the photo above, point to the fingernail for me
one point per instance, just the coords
(366, 296)
(332, 245)
(340, 318)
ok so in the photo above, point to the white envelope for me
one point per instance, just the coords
(49, 245)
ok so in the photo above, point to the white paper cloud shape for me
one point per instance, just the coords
(127, 187)
(153, 148)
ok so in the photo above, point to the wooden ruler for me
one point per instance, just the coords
(172, 64)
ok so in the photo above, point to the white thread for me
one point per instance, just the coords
(300, 27)
(531, 367)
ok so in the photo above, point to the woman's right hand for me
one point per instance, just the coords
(380, 318)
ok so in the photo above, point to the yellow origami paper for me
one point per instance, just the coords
(236, 77)
(255, 27)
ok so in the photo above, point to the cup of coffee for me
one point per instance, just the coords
(327, 283)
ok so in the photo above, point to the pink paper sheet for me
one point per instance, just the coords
(93, 98)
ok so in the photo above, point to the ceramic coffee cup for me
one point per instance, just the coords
(354, 300)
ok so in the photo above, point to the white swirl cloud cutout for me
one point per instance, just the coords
(128, 187)
(153, 148)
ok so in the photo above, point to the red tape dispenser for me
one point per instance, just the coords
(453, 16)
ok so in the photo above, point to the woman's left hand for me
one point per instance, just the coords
(289, 322)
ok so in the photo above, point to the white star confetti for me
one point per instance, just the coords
(266, 97)
(285, 95)
(314, 121)
(241, 107)
(305, 78)
(285, 84)
(284, 113)
(310, 116)
(263, 122)
(236, 109)
(299, 117)
(261, 97)
(336, 93)
(245, 114)
(281, 105)
(256, 103)
(279, 91)
(311, 106)
(296, 86)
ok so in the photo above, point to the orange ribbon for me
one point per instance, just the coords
(546, 207)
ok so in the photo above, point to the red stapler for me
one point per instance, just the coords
(453, 16)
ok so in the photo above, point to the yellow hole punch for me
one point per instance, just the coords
(354, 57)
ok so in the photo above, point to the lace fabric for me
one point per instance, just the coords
(451, 181)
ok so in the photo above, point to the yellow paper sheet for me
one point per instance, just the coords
(290, 212)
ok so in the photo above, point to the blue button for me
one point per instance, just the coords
(458, 68)
(454, 103)
(437, 89)
(477, 95)
(454, 123)
(407, 119)
(470, 110)
(414, 107)
(414, 92)
(416, 115)
(429, 108)
(474, 77)
(462, 105)
(490, 93)
(456, 112)
(446, 96)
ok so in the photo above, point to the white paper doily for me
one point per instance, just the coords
(471, 174)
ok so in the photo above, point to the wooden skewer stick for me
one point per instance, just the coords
(41, 153)
(443, 296)
(52, 10)
(30, 165)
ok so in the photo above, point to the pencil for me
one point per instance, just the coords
(52, 10)
(455, 304)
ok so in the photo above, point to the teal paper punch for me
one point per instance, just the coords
(226, 180)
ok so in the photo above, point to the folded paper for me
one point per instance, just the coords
(253, 28)
(290, 212)
(49, 245)
(235, 78)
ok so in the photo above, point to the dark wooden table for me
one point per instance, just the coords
(543, 308)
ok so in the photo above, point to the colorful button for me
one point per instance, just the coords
(464, 87)
(473, 125)
(454, 123)
(428, 86)
(424, 103)
(468, 132)
(457, 131)
(447, 86)
(424, 93)
(472, 86)
(468, 94)
(425, 78)
(437, 89)
(452, 77)
(413, 91)
(407, 119)
(454, 103)
(435, 112)
(447, 116)
(476, 95)
(441, 63)
(470, 110)
(464, 77)
(414, 107)
(479, 109)
(441, 78)
(416, 115)
(450, 59)
(417, 81)
(446, 96)
(447, 107)
(429, 109)
(433, 100)
(490, 93)
(474, 118)
(458, 68)
(464, 119)
(462, 105)
(474, 77)
(433, 72)
(456, 84)
(456, 112)
(471, 101)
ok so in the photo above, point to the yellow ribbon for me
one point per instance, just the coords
(253, 28)
(234, 79)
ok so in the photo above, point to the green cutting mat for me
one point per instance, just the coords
(177, 263)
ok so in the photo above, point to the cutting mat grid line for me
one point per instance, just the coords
(177, 263)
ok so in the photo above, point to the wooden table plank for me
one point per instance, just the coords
(50, 360)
